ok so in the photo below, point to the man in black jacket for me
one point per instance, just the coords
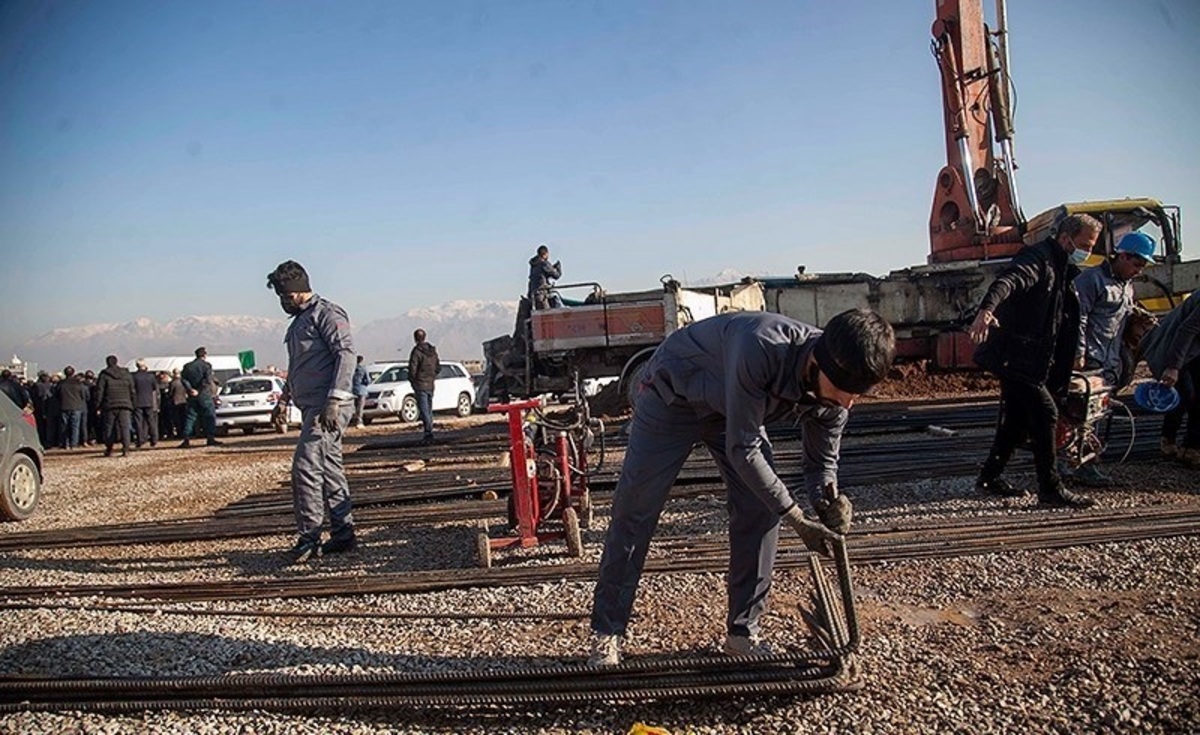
(1027, 330)
(73, 401)
(542, 274)
(197, 377)
(423, 366)
(145, 405)
(115, 390)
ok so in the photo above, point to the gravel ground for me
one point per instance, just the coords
(1095, 639)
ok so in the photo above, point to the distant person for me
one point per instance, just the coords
(41, 393)
(1172, 350)
(1027, 329)
(197, 377)
(1105, 303)
(11, 387)
(89, 427)
(115, 393)
(361, 380)
(423, 366)
(145, 405)
(542, 274)
(718, 382)
(73, 401)
(319, 381)
(177, 404)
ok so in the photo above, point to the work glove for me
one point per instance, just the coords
(330, 415)
(834, 510)
(813, 534)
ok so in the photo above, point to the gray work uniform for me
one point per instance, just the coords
(321, 363)
(718, 382)
(1104, 305)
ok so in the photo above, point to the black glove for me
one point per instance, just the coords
(834, 510)
(813, 534)
(330, 418)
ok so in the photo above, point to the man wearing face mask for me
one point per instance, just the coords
(719, 382)
(1027, 330)
(321, 363)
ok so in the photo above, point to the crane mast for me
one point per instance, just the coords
(976, 212)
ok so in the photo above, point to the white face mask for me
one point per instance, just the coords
(1078, 255)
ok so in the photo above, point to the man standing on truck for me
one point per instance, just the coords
(321, 364)
(1027, 330)
(542, 274)
(720, 381)
(197, 377)
(423, 366)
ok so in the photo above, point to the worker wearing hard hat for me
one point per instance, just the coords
(1105, 303)
(718, 382)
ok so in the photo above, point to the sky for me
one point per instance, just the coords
(158, 158)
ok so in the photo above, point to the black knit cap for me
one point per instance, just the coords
(289, 277)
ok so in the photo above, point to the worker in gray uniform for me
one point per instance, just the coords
(718, 382)
(321, 363)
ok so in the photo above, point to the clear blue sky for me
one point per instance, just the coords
(159, 158)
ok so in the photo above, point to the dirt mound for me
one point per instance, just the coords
(921, 380)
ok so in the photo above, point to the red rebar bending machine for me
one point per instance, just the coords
(549, 478)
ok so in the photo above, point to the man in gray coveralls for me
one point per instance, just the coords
(321, 364)
(719, 381)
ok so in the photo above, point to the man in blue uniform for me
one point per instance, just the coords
(321, 363)
(719, 381)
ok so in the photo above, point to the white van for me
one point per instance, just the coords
(224, 366)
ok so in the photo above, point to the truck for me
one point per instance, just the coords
(605, 335)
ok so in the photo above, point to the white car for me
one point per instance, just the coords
(248, 402)
(392, 395)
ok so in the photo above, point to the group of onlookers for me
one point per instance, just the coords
(135, 409)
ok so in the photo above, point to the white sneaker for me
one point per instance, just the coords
(740, 645)
(606, 650)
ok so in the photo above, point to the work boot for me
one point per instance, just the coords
(1166, 447)
(1091, 476)
(606, 650)
(741, 645)
(1189, 456)
(305, 549)
(1060, 497)
(1000, 487)
(340, 544)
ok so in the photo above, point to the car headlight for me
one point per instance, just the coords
(387, 394)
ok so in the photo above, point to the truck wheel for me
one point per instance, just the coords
(574, 537)
(408, 410)
(633, 382)
(463, 408)
(20, 489)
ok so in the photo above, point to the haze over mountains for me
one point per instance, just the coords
(457, 328)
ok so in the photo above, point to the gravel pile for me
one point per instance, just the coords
(1095, 639)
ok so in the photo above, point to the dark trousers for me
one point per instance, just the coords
(1027, 411)
(69, 428)
(425, 407)
(116, 424)
(660, 439)
(147, 425)
(1189, 405)
(201, 408)
(179, 419)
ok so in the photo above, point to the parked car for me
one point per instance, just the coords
(20, 462)
(392, 395)
(248, 402)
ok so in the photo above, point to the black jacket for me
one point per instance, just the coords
(14, 390)
(73, 394)
(115, 388)
(423, 366)
(145, 386)
(541, 272)
(1038, 311)
(197, 375)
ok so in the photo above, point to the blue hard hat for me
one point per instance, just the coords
(1139, 244)
(1156, 397)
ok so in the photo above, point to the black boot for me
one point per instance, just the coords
(1000, 487)
(1058, 496)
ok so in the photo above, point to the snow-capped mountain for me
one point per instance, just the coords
(457, 329)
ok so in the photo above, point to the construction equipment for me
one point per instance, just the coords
(550, 472)
(1089, 403)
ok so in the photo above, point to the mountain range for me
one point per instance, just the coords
(457, 328)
